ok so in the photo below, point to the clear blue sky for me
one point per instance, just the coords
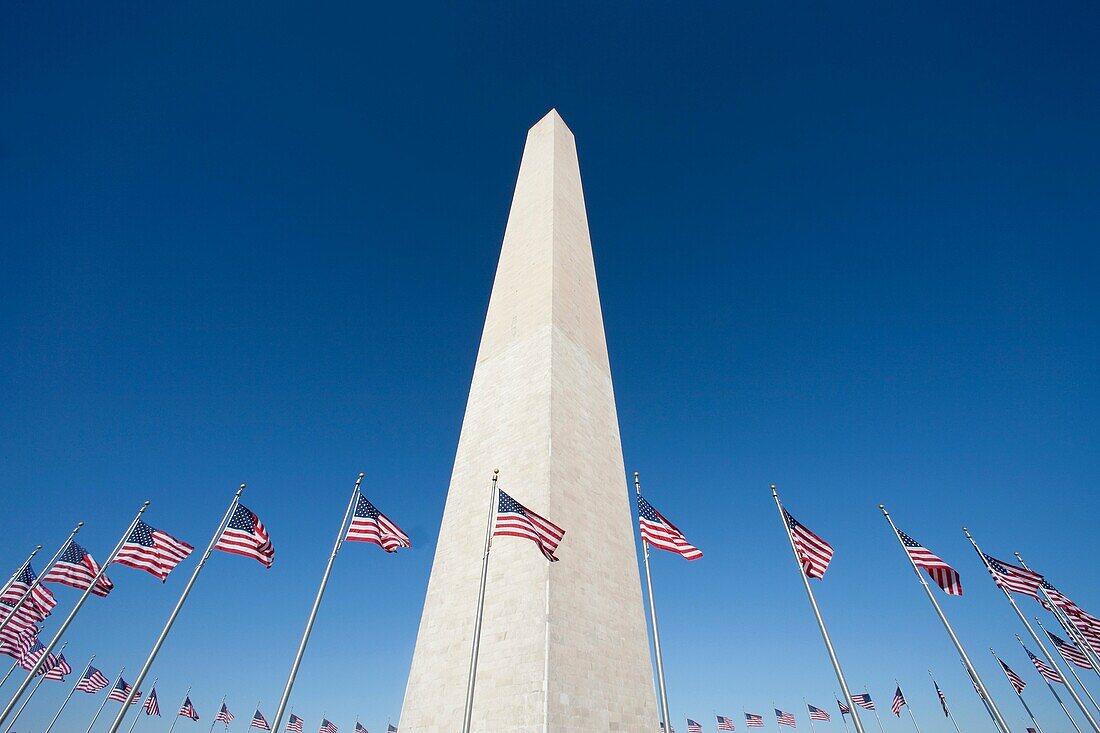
(850, 249)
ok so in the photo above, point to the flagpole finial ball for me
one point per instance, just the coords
(496, 471)
(242, 486)
(80, 523)
(361, 474)
(147, 503)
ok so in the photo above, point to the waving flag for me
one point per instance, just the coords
(663, 534)
(752, 720)
(1014, 679)
(864, 701)
(76, 569)
(844, 709)
(295, 724)
(259, 721)
(1069, 652)
(1012, 578)
(224, 716)
(941, 573)
(152, 707)
(724, 723)
(93, 681)
(785, 718)
(943, 700)
(359, 727)
(899, 700)
(58, 671)
(121, 690)
(245, 535)
(817, 713)
(17, 639)
(327, 726)
(32, 655)
(370, 525)
(36, 607)
(1044, 669)
(693, 727)
(155, 552)
(187, 710)
(813, 552)
(516, 520)
(391, 728)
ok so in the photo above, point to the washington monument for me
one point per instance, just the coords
(564, 647)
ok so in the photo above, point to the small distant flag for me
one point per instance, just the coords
(152, 707)
(943, 699)
(155, 552)
(1070, 652)
(693, 726)
(187, 710)
(93, 681)
(725, 723)
(813, 552)
(259, 721)
(941, 573)
(359, 728)
(1012, 578)
(391, 728)
(224, 716)
(516, 520)
(370, 525)
(663, 534)
(245, 535)
(30, 658)
(59, 670)
(327, 726)
(37, 606)
(1014, 679)
(864, 700)
(295, 724)
(784, 718)
(844, 709)
(752, 720)
(76, 569)
(899, 701)
(817, 713)
(1044, 669)
(121, 690)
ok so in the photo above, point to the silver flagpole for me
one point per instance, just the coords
(472, 678)
(215, 718)
(341, 533)
(100, 708)
(946, 709)
(908, 707)
(175, 612)
(69, 696)
(1072, 671)
(1068, 624)
(807, 706)
(8, 674)
(173, 726)
(998, 719)
(258, 704)
(1042, 647)
(38, 579)
(1018, 693)
(875, 711)
(72, 615)
(817, 615)
(1053, 692)
(666, 720)
(138, 716)
(30, 696)
(19, 569)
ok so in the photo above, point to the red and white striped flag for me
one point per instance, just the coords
(516, 520)
(245, 535)
(663, 534)
(76, 569)
(943, 574)
(1045, 669)
(814, 553)
(155, 552)
(1014, 679)
(370, 525)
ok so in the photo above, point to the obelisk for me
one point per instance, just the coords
(564, 647)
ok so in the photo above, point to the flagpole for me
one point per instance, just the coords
(1072, 671)
(69, 696)
(38, 578)
(102, 704)
(665, 719)
(19, 569)
(1053, 691)
(215, 720)
(908, 707)
(875, 711)
(1018, 693)
(173, 726)
(5, 679)
(842, 718)
(939, 692)
(138, 716)
(472, 678)
(23, 707)
(316, 605)
(817, 615)
(72, 614)
(175, 612)
(998, 719)
(1042, 647)
(807, 706)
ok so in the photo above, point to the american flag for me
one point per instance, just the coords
(31, 656)
(663, 534)
(670, 726)
(224, 716)
(155, 552)
(76, 569)
(864, 700)
(93, 681)
(943, 700)
(391, 728)
(370, 525)
(152, 707)
(813, 552)
(58, 671)
(817, 713)
(37, 606)
(359, 727)
(1014, 679)
(1012, 578)
(693, 726)
(1044, 669)
(899, 700)
(295, 724)
(1070, 652)
(516, 520)
(844, 709)
(17, 639)
(120, 692)
(943, 574)
(785, 718)
(327, 726)
(725, 723)
(187, 710)
(259, 721)
(245, 535)
(752, 720)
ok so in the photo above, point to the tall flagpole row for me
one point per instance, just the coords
(1042, 647)
(316, 605)
(72, 615)
(666, 717)
(102, 704)
(138, 716)
(1054, 692)
(472, 678)
(68, 697)
(817, 615)
(18, 570)
(38, 578)
(177, 715)
(1072, 671)
(175, 612)
(30, 697)
(998, 719)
